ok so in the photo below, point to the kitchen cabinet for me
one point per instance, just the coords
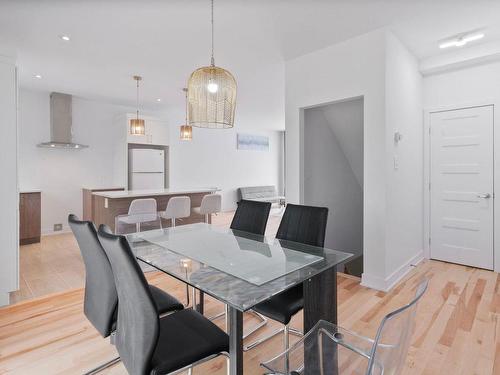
(29, 217)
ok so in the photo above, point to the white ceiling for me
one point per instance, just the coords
(165, 40)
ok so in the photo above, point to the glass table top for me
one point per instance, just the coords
(238, 268)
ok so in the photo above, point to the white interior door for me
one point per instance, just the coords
(461, 187)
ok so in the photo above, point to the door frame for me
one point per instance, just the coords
(427, 175)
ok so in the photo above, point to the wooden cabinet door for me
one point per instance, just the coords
(30, 217)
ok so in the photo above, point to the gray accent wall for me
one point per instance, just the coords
(333, 170)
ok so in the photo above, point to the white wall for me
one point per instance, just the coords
(463, 87)
(61, 174)
(477, 85)
(330, 180)
(9, 196)
(404, 194)
(378, 68)
(212, 159)
(350, 69)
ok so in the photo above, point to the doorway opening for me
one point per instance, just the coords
(332, 175)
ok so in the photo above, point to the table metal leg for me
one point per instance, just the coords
(200, 307)
(235, 318)
(320, 303)
(226, 315)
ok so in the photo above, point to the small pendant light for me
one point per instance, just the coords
(211, 94)
(186, 130)
(136, 124)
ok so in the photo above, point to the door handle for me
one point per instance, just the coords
(484, 196)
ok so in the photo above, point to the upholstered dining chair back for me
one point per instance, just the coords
(101, 299)
(304, 224)
(137, 328)
(251, 216)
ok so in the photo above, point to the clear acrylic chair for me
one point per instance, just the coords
(328, 349)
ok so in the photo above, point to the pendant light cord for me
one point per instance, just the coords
(186, 119)
(137, 101)
(212, 61)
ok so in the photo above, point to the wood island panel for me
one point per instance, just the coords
(88, 201)
(119, 206)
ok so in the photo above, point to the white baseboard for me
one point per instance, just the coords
(379, 283)
(4, 299)
(372, 282)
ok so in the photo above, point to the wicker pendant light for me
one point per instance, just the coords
(186, 129)
(136, 124)
(211, 94)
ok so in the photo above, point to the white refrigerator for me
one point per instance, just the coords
(147, 169)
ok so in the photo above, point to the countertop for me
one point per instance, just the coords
(103, 188)
(153, 193)
(27, 191)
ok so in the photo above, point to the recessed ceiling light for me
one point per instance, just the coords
(37, 76)
(65, 38)
(158, 100)
(461, 40)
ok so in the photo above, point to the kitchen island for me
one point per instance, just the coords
(88, 199)
(109, 204)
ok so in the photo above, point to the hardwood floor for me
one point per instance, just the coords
(457, 325)
(55, 265)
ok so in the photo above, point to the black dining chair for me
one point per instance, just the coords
(251, 217)
(304, 224)
(101, 299)
(148, 344)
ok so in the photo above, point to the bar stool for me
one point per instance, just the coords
(210, 204)
(140, 211)
(177, 208)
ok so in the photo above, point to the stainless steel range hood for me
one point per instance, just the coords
(61, 121)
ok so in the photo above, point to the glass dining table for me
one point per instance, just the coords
(241, 270)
